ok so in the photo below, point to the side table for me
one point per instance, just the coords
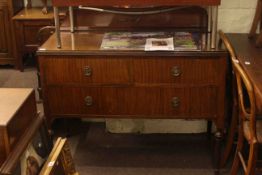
(27, 23)
(17, 111)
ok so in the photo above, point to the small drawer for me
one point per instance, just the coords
(93, 70)
(195, 103)
(165, 70)
(81, 101)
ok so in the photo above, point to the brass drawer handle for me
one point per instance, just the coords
(87, 71)
(175, 102)
(88, 101)
(176, 71)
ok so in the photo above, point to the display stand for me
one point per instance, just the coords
(212, 8)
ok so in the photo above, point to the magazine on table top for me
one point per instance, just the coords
(150, 41)
(154, 44)
(184, 41)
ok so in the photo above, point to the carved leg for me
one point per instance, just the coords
(217, 150)
(231, 134)
(256, 20)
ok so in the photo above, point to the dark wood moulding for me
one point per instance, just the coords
(135, 3)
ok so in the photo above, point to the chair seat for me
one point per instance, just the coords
(258, 130)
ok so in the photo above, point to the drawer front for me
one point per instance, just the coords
(178, 70)
(90, 71)
(139, 102)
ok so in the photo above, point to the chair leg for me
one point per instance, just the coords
(230, 137)
(256, 19)
(252, 158)
(240, 143)
(259, 40)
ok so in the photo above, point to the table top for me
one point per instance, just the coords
(35, 13)
(136, 3)
(11, 99)
(250, 58)
(88, 43)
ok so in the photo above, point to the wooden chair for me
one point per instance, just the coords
(234, 102)
(255, 24)
(250, 129)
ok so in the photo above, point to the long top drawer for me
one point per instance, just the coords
(98, 70)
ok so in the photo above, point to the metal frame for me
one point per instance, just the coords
(212, 25)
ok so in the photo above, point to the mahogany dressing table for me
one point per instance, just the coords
(81, 80)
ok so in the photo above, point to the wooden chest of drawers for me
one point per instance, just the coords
(191, 87)
(17, 110)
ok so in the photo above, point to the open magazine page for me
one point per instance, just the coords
(150, 41)
(128, 40)
(185, 41)
(159, 44)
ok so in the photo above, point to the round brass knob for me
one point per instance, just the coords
(175, 102)
(87, 71)
(88, 101)
(176, 71)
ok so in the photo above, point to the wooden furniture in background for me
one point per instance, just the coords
(8, 8)
(27, 24)
(17, 109)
